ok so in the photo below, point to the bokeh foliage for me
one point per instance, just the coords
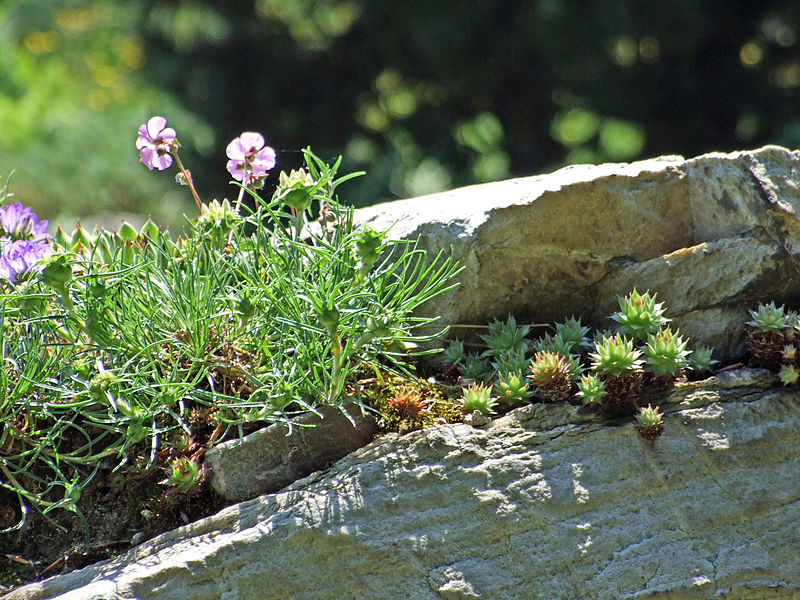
(421, 94)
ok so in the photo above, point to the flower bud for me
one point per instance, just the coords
(369, 245)
(57, 272)
(329, 319)
(296, 189)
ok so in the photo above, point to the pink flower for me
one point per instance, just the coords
(250, 159)
(155, 143)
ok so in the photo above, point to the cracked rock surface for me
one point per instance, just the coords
(713, 236)
(546, 502)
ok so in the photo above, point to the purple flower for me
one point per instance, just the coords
(155, 142)
(20, 222)
(19, 257)
(250, 159)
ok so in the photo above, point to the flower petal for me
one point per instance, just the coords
(146, 155)
(266, 156)
(250, 140)
(162, 161)
(236, 150)
(155, 125)
(168, 135)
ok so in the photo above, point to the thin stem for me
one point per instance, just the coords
(336, 375)
(188, 177)
(235, 209)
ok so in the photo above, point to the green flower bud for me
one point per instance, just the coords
(369, 245)
(100, 384)
(329, 319)
(296, 189)
(57, 273)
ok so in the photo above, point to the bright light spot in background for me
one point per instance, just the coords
(624, 51)
(747, 126)
(574, 127)
(40, 42)
(751, 55)
(787, 76)
(649, 50)
(621, 140)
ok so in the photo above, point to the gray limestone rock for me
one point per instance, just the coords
(546, 502)
(270, 459)
(712, 236)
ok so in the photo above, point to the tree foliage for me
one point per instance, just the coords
(421, 95)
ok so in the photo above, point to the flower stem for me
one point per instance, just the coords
(188, 177)
(336, 374)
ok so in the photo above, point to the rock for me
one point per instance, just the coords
(712, 236)
(270, 459)
(547, 502)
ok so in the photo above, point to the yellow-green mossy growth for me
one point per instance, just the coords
(407, 406)
(551, 376)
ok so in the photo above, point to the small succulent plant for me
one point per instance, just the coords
(454, 354)
(512, 387)
(408, 404)
(700, 360)
(575, 333)
(185, 475)
(615, 356)
(766, 335)
(789, 375)
(513, 361)
(557, 343)
(475, 367)
(650, 422)
(591, 390)
(639, 315)
(551, 376)
(506, 337)
(478, 397)
(665, 355)
(768, 317)
(619, 365)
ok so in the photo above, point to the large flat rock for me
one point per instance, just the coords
(713, 236)
(546, 502)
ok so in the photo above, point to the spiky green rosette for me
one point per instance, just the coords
(591, 390)
(665, 356)
(766, 335)
(551, 376)
(504, 338)
(619, 366)
(650, 423)
(478, 397)
(639, 315)
(512, 388)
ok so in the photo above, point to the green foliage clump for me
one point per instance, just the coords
(120, 340)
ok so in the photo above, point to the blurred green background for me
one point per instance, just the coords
(423, 95)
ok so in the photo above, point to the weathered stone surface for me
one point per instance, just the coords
(712, 236)
(546, 502)
(270, 459)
